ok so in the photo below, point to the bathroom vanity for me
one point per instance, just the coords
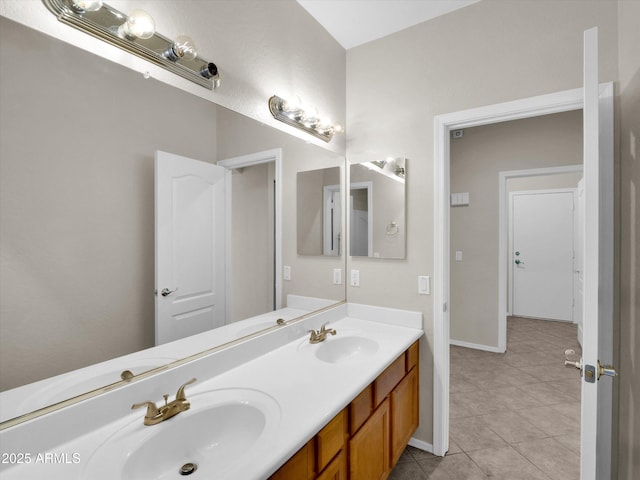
(367, 438)
(272, 406)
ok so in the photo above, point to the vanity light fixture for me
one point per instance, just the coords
(292, 112)
(135, 33)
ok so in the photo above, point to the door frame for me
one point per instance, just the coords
(267, 156)
(503, 239)
(564, 101)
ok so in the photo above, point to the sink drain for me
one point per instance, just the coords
(188, 468)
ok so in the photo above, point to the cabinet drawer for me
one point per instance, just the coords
(330, 440)
(412, 356)
(388, 379)
(360, 409)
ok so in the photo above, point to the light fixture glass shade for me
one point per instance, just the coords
(139, 24)
(184, 47)
(86, 5)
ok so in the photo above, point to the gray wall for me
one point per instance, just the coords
(476, 161)
(628, 216)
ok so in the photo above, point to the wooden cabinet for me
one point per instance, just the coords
(330, 440)
(300, 467)
(337, 469)
(366, 439)
(404, 413)
(369, 448)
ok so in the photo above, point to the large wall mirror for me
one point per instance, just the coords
(77, 213)
(376, 208)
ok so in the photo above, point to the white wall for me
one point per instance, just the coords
(489, 52)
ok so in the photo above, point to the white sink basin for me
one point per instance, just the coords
(222, 428)
(340, 349)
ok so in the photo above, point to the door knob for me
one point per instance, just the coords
(606, 370)
(165, 292)
(519, 262)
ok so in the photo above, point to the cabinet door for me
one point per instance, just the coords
(330, 440)
(369, 448)
(404, 414)
(337, 469)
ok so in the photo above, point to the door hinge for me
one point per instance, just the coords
(444, 307)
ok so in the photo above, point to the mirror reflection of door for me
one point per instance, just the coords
(190, 247)
(361, 213)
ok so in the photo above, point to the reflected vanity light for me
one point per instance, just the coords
(391, 167)
(292, 112)
(135, 33)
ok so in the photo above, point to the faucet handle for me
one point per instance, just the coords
(180, 395)
(152, 409)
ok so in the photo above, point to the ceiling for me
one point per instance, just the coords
(354, 22)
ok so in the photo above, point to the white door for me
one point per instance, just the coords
(190, 246)
(578, 259)
(542, 257)
(597, 342)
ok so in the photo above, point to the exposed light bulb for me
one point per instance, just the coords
(139, 24)
(310, 116)
(185, 48)
(86, 5)
(338, 128)
(292, 104)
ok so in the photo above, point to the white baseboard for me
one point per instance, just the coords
(419, 444)
(476, 346)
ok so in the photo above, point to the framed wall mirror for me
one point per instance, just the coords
(376, 208)
(77, 218)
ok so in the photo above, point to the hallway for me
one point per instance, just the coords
(514, 416)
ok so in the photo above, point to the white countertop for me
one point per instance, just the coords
(308, 392)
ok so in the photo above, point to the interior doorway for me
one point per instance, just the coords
(256, 267)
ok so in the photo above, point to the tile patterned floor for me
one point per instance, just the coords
(514, 416)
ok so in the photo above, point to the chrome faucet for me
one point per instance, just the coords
(156, 414)
(320, 335)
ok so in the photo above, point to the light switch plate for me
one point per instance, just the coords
(424, 285)
(286, 272)
(337, 276)
(458, 255)
(355, 278)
